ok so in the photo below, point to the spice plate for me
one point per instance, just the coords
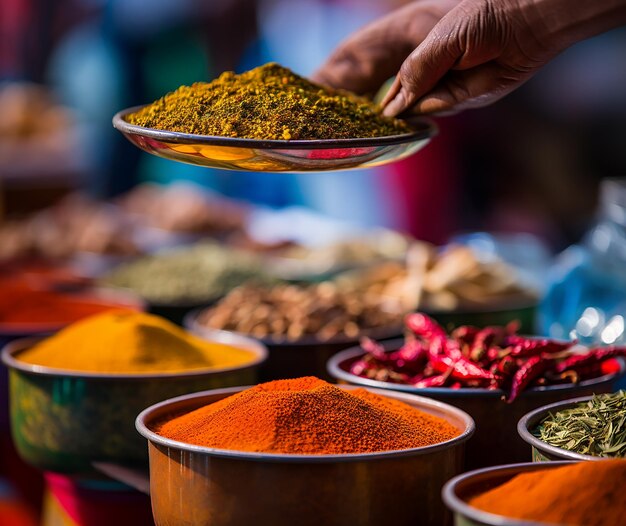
(462, 488)
(195, 485)
(496, 441)
(254, 155)
(63, 420)
(542, 451)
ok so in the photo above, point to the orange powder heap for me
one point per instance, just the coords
(583, 494)
(308, 416)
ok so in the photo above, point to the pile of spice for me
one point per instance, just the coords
(492, 358)
(291, 312)
(191, 275)
(130, 343)
(308, 416)
(583, 494)
(268, 102)
(596, 427)
(442, 280)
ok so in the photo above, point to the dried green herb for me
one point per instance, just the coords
(596, 427)
(268, 102)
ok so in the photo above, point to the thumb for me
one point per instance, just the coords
(419, 73)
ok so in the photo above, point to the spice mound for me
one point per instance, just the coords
(292, 312)
(269, 102)
(129, 342)
(583, 494)
(308, 416)
(596, 427)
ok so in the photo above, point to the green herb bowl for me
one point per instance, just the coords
(64, 421)
(194, 485)
(458, 491)
(542, 451)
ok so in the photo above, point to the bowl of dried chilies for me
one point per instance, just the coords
(493, 373)
(586, 428)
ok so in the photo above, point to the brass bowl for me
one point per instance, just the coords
(64, 421)
(193, 485)
(458, 491)
(496, 441)
(253, 155)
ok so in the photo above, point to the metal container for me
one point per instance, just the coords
(458, 491)
(193, 485)
(307, 356)
(63, 420)
(542, 451)
(495, 441)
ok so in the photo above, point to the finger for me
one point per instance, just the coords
(461, 90)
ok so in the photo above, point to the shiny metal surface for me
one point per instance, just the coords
(254, 155)
(541, 450)
(194, 485)
(458, 491)
(496, 440)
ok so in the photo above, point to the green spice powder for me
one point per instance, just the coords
(268, 102)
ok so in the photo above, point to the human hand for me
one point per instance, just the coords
(366, 59)
(483, 49)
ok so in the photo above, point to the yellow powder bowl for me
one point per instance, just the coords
(69, 421)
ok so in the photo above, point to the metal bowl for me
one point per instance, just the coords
(306, 356)
(458, 491)
(542, 451)
(495, 441)
(254, 155)
(194, 485)
(63, 420)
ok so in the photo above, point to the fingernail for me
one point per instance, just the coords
(396, 106)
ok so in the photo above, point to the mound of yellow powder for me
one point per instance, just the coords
(131, 342)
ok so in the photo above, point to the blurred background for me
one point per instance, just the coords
(520, 180)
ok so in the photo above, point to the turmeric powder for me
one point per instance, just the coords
(308, 416)
(119, 342)
(269, 102)
(583, 494)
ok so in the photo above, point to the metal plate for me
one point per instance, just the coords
(254, 155)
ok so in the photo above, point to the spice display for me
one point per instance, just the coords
(297, 261)
(308, 416)
(292, 312)
(268, 102)
(448, 280)
(582, 494)
(183, 208)
(75, 224)
(195, 274)
(129, 342)
(492, 358)
(596, 427)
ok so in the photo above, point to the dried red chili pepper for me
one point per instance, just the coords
(529, 371)
(578, 361)
(531, 347)
(432, 381)
(461, 368)
(465, 334)
(428, 329)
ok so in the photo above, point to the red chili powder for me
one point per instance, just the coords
(308, 416)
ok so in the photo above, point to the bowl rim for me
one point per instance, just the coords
(532, 418)
(13, 348)
(335, 371)
(418, 402)
(190, 322)
(423, 129)
(457, 505)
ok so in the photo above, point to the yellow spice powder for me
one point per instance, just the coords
(131, 342)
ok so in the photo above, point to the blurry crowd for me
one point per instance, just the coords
(530, 163)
